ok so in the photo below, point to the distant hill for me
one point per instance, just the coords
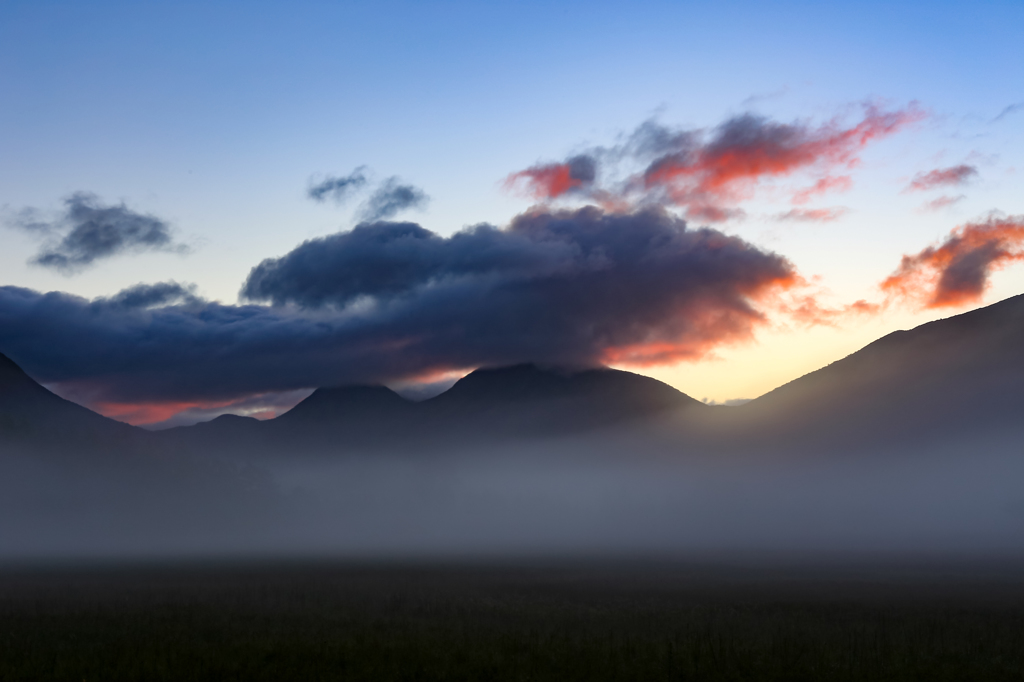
(527, 400)
(488, 405)
(959, 376)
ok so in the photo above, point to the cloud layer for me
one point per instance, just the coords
(392, 301)
(956, 272)
(88, 231)
(151, 296)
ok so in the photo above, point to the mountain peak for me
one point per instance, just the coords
(16, 386)
(513, 383)
(532, 382)
(331, 403)
(532, 400)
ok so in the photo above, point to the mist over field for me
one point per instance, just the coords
(616, 494)
(910, 446)
(582, 497)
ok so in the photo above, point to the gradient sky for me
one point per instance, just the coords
(218, 117)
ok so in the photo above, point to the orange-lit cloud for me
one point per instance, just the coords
(705, 327)
(829, 183)
(956, 272)
(708, 174)
(806, 310)
(553, 180)
(748, 150)
(813, 215)
(790, 297)
(942, 177)
(942, 202)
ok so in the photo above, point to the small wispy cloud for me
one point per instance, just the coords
(939, 203)
(87, 231)
(1008, 111)
(391, 198)
(338, 188)
(954, 176)
(812, 215)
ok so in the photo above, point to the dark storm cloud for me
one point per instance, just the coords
(388, 301)
(88, 230)
(337, 188)
(385, 260)
(565, 286)
(391, 198)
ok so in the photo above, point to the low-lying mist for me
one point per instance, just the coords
(610, 493)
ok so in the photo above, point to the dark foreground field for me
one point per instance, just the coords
(680, 621)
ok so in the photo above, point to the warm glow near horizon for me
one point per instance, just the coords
(178, 196)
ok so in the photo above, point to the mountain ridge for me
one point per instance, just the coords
(958, 375)
(963, 373)
(504, 403)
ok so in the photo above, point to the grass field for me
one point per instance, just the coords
(667, 621)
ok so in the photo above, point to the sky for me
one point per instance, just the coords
(216, 207)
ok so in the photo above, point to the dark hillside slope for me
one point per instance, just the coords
(530, 401)
(961, 376)
(73, 482)
(31, 416)
(330, 419)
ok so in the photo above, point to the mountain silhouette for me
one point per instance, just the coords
(31, 415)
(346, 405)
(74, 481)
(529, 400)
(957, 377)
(487, 405)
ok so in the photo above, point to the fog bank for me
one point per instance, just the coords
(611, 494)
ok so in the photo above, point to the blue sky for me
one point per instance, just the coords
(216, 116)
